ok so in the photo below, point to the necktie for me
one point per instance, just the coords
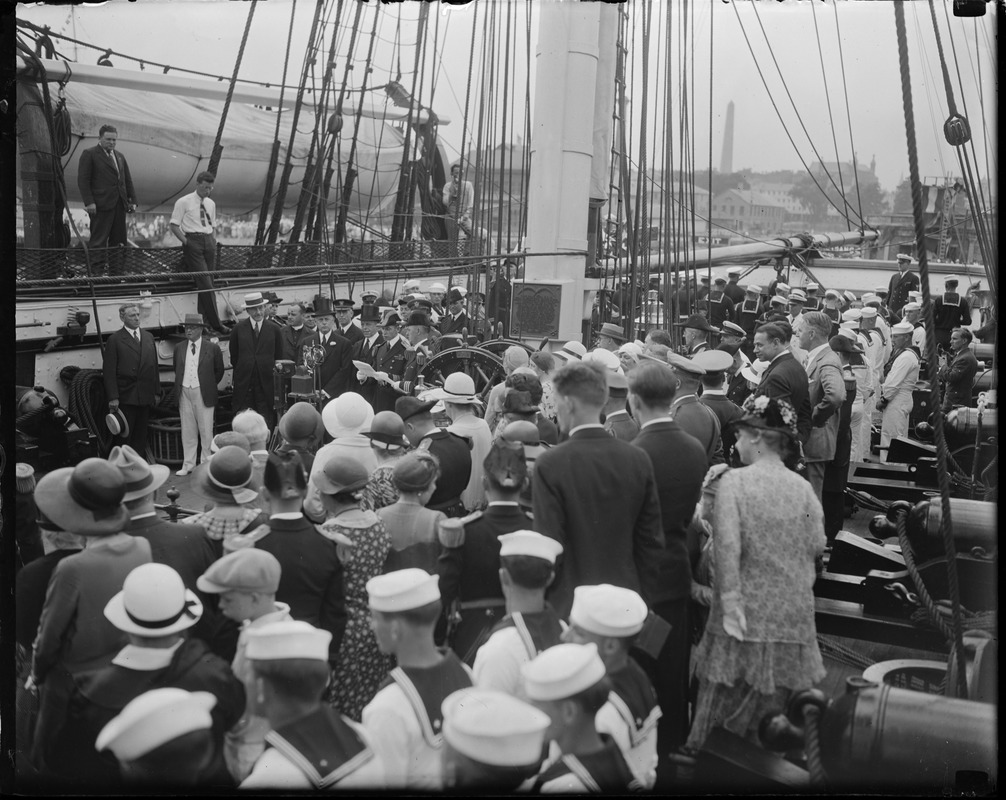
(136, 335)
(204, 215)
(115, 161)
(193, 348)
(255, 329)
(366, 348)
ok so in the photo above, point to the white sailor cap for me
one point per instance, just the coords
(867, 313)
(915, 296)
(777, 300)
(494, 728)
(902, 328)
(155, 718)
(437, 287)
(813, 287)
(950, 279)
(870, 297)
(288, 639)
(911, 307)
(852, 314)
(411, 284)
(852, 325)
(608, 610)
(782, 286)
(605, 358)
(880, 291)
(562, 671)
(529, 543)
(848, 333)
(797, 296)
(833, 293)
(753, 288)
(904, 257)
(734, 271)
(850, 296)
(683, 364)
(402, 590)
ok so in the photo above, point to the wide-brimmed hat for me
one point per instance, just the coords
(117, 423)
(571, 351)
(752, 372)
(85, 499)
(193, 319)
(141, 478)
(348, 414)
(459, 388)
(254, 300)
(613, 332)
(341, 475)
(300, 421)
(408, 407)
(768, 414)
(698, 322)
(225, 478)
(370, 313)
(154, 602)
(387, 431)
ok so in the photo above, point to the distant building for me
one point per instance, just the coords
(748, 211)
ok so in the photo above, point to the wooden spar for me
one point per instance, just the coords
(178, 84)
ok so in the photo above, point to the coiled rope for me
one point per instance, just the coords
(87, 392)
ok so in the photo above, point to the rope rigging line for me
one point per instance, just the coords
(831, 118)
(848, 112)
(863, 223)
(217, 148)
(946, 525)
(400, 225)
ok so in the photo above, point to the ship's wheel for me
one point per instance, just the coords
(499, 346)
(484, 367)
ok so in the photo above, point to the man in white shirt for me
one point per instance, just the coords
(192, 221)
(199, 367)
(895, 396)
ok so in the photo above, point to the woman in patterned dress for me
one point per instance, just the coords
(363, 545)
(226, 480)
(387, 440)
(760, 643)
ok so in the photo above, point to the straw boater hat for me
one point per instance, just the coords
(154, 602)
(85, 499)
(254, 300)
(141, 478)
(225, 478)
(117, 423)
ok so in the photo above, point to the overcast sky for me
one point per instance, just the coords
(205, 34)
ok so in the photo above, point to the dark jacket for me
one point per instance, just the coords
(337, 368)
(959, 379)
(130, 369)
(679, 466)
(354, 333)
(701, 422)
(311, 582)
(785, 378)
(253, 361)
(455, 455)
(210, 370)
(392, 360)
(726, 411)
(100, 183)
(598, 497)
(450, 325)
(293, 342)
(31, 584)
(361, 352)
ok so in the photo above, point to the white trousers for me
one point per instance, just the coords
(856, 432)
(197, 424)
(895, 422)
(864, 433)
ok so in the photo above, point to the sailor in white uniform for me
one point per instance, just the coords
(311, 745)
(527, 568)
(491, 740)
(404, 720)
(568, 683)
(901, 375)
(611, 617)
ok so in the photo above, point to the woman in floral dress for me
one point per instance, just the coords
(760, 643)
(363, 545)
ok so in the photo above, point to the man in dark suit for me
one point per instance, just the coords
(784, 376)
(694, 418)
(184, 548)
(255, 347)
(129, 367)
(295, 333)
(679, 465)
(901, 284)
(958, 375)
(695, 333)
(714, 395)
(344, 326)
(498, 302)
(106, 189)
(455, 319)
(732, 290)
(199, 367)
(391, 357)
(337, 368)
(597, 496)
(365, 349)
(452, 451)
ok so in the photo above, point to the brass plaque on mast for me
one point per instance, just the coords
(536, 310)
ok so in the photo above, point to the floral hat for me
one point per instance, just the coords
(770, 414)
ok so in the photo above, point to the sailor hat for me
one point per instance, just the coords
(245, 570)
(797, 296)
(402, 590)
(813, 287)
(562, 671)
(915, 297)
(850, 296)
(902, 328)
(753, 288)
(880, 291)
(868, 313)
(719, 280)
(529, 543)
(608, 610)
(494, 728)
(852, 326)
(712, 360)
(870, 297)
(904, 257)
(848, 333)
(683, 364)
(155, 718)
(782, 288)
(733, 329)
(911, 307)
(411, 285)
(605, 358)
(777, 300)
(852, 314)
(437, 288)
(833, 293)
(277, 641)
(951, 279)
(734, 272)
